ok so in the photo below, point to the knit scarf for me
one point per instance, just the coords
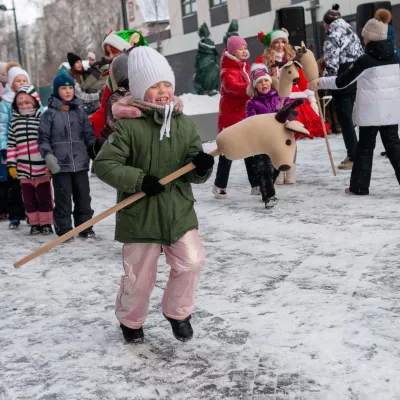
(166, 110)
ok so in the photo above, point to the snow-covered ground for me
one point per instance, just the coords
(301, 302)
(198, 104)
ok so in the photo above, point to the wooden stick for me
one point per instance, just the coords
(325, 134)
(137, 196)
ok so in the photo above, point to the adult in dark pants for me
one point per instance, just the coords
(378, 100)
(65, 134)
(341, 48)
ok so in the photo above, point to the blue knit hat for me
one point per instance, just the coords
(62, 80)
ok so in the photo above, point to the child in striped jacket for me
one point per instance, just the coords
(25, 163)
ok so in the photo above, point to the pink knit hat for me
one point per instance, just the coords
(235, 43)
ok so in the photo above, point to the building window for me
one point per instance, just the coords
(259, 6)
(214, 3)
(189, 7)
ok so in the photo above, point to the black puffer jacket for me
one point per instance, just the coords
(65, 132)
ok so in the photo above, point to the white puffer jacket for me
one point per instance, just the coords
(377, 73)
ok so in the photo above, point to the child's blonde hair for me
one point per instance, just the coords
(269, 56)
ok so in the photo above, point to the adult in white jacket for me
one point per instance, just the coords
(377, 73)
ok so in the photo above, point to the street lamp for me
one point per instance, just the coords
(4, 8)
(124, 14)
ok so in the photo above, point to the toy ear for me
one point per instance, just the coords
(288, 64)
(297, 64)
(297, 127)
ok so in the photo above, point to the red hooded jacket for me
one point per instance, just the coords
(235, 77)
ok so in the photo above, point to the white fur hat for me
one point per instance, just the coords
(146, 67)
(91, 55)
(14, 72)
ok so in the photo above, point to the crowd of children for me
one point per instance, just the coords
(140, 134)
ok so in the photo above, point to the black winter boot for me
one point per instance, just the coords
(46, 230)
(88, 234)
(35, 229)
(182, 330)
(132, 335)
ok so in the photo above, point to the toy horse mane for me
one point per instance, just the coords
(288, 112)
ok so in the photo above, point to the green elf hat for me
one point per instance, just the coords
(267, 39)
(123, 40)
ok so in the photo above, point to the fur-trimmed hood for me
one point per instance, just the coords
(125, 108)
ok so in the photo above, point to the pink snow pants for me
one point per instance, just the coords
(38, 200)
(186, 258)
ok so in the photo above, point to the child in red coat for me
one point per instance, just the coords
(235, 77)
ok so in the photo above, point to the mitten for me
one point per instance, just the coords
(313, 103)
(48, 173)
(203, 163)
(13, 172)
(52, 163)
(151, 186)
(94, 149)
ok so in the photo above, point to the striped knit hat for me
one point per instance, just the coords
(31, 91)
(258, 72)
(332, 15)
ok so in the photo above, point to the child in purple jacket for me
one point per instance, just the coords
(264, 100)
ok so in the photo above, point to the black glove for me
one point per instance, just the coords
(94, 149)
(151, 186)
(3, 154)
(203, 163)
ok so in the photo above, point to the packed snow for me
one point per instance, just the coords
(200, 104)
(301, 302)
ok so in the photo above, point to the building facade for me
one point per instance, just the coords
(179, 42)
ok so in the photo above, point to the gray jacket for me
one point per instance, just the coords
(66, 134)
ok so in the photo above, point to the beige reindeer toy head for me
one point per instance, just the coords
(308, 61)
(271, 134)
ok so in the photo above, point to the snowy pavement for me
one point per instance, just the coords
(301, 302)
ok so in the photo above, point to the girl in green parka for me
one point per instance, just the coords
(134, 158)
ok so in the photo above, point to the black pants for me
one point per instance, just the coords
(3, 197)
(266, 174)
(68, 186)
(15, 205)
(362, 168)
(344, 110)
(224, 167)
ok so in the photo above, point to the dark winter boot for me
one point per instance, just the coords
(46, 230)
(88, 234)
(14, 224)
(182, 330)
(132, 335)
(35, 229)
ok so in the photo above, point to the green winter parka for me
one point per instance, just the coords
(135, 150)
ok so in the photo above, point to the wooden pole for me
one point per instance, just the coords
(325, 134)
(137, 196)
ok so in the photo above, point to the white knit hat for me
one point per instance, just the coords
(14, 72)
(91, 55)
(146, 67)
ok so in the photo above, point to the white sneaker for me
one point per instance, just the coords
(290, 178)
(219, 193)
(255, 191)
(280, 180)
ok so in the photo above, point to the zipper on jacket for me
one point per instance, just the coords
(244, 70)
(70, 137)
(29, 153)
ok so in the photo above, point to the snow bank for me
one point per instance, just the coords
(197, 104)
